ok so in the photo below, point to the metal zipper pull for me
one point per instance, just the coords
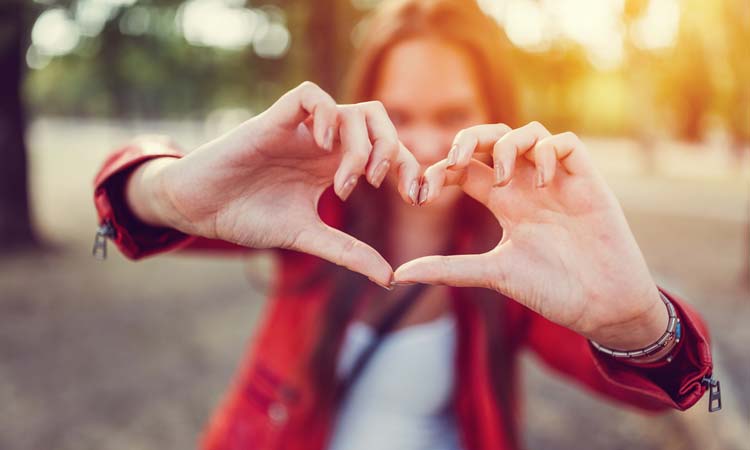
(104, 231)
(714, 392)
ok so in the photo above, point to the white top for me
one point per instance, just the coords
(401, 400)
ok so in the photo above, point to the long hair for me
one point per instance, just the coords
(459, 22)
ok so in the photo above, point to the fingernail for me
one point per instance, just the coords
(413, 192)
(540, 178)
(348, 187)
(380, 172)
(499, 174)
(453, 156)
(388, 287)
(402, 283)
(423, 191)
(328, 139)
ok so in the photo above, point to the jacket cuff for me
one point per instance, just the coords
(134, 238)
(679, 383)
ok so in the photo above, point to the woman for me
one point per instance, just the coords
(339, 363)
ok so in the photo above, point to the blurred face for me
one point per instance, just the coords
(431, 92)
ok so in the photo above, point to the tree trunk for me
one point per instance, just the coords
(321, 37)
(15, 220)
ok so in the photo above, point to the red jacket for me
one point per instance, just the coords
(270, 400)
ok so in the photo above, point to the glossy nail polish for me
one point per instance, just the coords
(328, 139)
(499, 174)
(414, 192)
(348, 187)
(388, 287)
(380, 172)
(423, 192)
(452, 156)
(540, 178)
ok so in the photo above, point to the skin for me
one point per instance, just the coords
(426, 124)
(567, 251)
(259, 185)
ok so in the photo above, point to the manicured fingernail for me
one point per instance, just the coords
(402, 283)
(499, 174)
(540, 178)
(348, 187)
(452, 156)
(388, 287)
(413, 192)
(328, 139)
(423, 192)
(380, 172)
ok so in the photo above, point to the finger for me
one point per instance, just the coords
(472, 140)
(545, 162)
(409, 173)
(566, 148)
(305, 101)
(340, 248)
(433, 180)
(459, 270)
(355, 147)
(385, 144)
(511, 146)
(476, 180)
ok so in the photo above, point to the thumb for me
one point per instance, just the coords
(458, 270)
(340, 248)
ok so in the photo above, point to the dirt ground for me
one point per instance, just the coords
(121, 355)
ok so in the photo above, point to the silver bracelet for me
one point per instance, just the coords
(673, 333)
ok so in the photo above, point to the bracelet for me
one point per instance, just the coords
(670, 338)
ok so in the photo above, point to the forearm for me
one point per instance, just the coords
(145, 194)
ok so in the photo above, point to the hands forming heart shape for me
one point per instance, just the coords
(567, 251)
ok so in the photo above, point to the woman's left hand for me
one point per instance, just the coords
(566, 252)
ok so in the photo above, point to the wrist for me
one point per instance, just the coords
(639, 332)
(662, 347)
(146, 194)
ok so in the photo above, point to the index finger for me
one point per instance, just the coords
(304, 101)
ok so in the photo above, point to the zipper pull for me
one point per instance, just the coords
(714, 392)
(105, 230)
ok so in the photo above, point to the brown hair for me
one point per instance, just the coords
(459, 22)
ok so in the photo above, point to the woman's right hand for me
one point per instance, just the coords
(259, 185)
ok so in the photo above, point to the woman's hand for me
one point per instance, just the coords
(259, 185)
(566, 252)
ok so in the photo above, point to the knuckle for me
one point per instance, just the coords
(353, 113)
(573, 138)
(537, 127)
(504, 128)
(375, 105)
(535, 124)
(308, 85)
(461, 135)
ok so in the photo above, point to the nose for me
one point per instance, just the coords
(428, 144)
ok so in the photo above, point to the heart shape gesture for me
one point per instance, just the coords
(567, 251)
(259, 185)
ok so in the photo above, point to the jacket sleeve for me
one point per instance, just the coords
(134, 238)
(677, 384)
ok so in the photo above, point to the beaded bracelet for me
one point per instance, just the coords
(670, 338)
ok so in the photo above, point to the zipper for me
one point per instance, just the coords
(714, 391)
(105, 230)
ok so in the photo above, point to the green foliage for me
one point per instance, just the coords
(703, 79)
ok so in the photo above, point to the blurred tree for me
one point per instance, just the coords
(15, 222)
